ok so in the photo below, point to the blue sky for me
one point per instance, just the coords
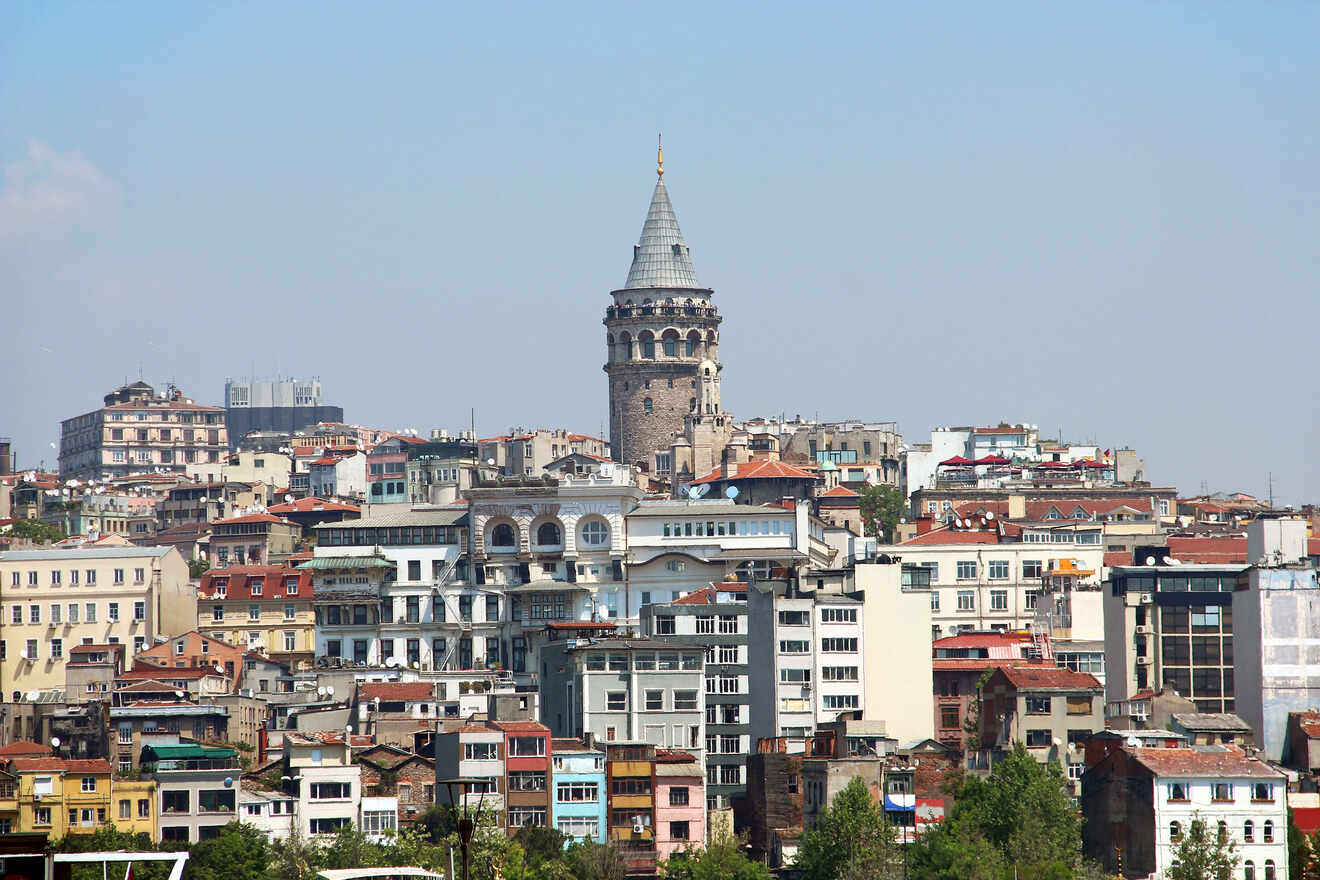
(1101, 220)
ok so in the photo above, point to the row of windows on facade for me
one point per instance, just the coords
(57, 577)
(593, 533)
(183, 418)
(712, 529)
(256, 586)
(827, 646)
(996, 569)
(643, 661)
(670, 343)
(163, 456)
(706, 624)
(414, 607)
(439, 651)
(648, 405)
(187, 435)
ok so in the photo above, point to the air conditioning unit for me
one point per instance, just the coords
(37, 797)
(1143, 661)
(638, 828)
(1147, 598)
(1143, 630)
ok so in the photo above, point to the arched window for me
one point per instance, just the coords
(690, 346)
(1248, 831)
(647, 405)
(595, 533)
(1223, 831)
(671, 343)
(647, 343)
(625, 346)
(1175, 830)
(548, 533)
(502, 535)
(1269, 869)
(1248, 870)
(1267, 834)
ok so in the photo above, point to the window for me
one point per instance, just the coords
(794, 646)
(175, 801)
(595, 533)
(144, 808)
(549, 534)
(1038, 738)
(329, 825)
(838, 615)
(526, 780)
(34, 614)
(1038, 705)
(1248, 870)
(794, 618)
(56, 649)
(934, 600)
(1267, 833)
(655, 700)
(1031, 569)
(112, 611)
(1222, 791)
(841, 701)
(998, 600)
(41, 816)
(685, 700)
(502, 535)
(665, 625)
(1269, 863)
(379, 821)
(325, 791)
(577, 792)
(88, 784)
(1178, 791)
(966, 570)
(705, 625)
(1248, 831)
(218, 801)
(616, 701)
(838, 673)
(795, 676)
(31, 648)
(1262, 791)
(838, 646)
(1079, 705)
(526, 747)
(119, 575)
(949, 717)
(647, 406)
(139, 611)
(678, 796)
(526, 816)
(678, 830)
(998, 569)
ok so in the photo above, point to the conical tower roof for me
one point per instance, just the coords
(661, 258)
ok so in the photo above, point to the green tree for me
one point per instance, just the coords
(238, 852)
(109, 838)
(852, 841)
(1018, 816)
(720, 860)
(293, 858)
(36, 530)
(1203, 854)
(882, 506)
(198, 567)
(588, 860)
(540, 844)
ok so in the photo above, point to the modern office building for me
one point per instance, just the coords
(281, 405)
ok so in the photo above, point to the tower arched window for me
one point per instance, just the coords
(647, 406)
(690, 346)
(671, 343)
(646, 342)
(502, 535)
(1175, 830)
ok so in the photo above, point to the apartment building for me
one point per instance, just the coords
(262, 608)
(474, 750)
(253, 539)
(54, 599)
(323, 779)
(393, 772)
(714, 618)
(137, 724)
(1053, 712)
(62, 797)
(528, 453)
(580, 794)
(440, 471)
(959, 662)
(1172, 625)
(807, 660)
(197, 787)
(979, 582)
(528, 759)
(630, 774)
(680, 804)
(138, 429)
(895, 612)
(1139, 802)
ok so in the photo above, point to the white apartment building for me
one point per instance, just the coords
(807, 659)
(327, 783)
(270, 812)
(1238, 796)
(977, 583)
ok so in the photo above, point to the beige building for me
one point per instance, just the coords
(245, 466)
(526, 453)
(896, 614)
(253, 539)
(262, 608)
(138, 430)
(53, 600)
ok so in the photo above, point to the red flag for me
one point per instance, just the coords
(1106, 453)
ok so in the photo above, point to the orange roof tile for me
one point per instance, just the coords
(247, 518)
(1050, 678)
(68, 765)
(23, 748)
(1192, 762)
(757, 470)
(396, 691)
(839, 492)
(312, 504)
(937, 537)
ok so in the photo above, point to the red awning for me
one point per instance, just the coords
(991, 459)
(1092, 463)
(1053, 465)
(956, 461)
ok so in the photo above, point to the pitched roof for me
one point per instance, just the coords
(1221, 762)
(396, 691)
(1049, 678)
(661, 258)
(839, 492)
(311, 504)
(937, 537)
(981, 640)
(757, 470)
(239, 579)
(68, 765)
(247, 518)
(23, 747)
(521, 726)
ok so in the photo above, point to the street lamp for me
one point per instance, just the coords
(467, 819)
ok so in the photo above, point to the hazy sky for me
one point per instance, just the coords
(1101, 220)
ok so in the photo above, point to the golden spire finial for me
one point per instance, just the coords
(659, 156)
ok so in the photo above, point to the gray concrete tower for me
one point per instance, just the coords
(661, 339)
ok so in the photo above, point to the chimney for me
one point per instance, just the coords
(1017, 506)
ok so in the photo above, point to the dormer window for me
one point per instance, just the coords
(291, 586)
(258, 584)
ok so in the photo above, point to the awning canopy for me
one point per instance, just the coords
(991, 459)
(186, 751)
(956, 461)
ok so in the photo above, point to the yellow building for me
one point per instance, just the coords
(52, 600)
(135, 807)
(59, 797)
(8, 802)
(262, 608)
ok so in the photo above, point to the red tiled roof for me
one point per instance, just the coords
(23, 747)
(1196, 548)
(240, 578)
(955, 664)
(1310, 723)
(522, 727)
(954, 536)
(149, 686)
(312, 505)
(248, 518)
(1050, 678)
(758, 470)
(68, 765)
(671, 756)
(839, 492)
(1191, 762)
(151, 672)
(981, 640)
(157, 403)
(396, 691)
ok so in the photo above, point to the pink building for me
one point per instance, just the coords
(680, 802)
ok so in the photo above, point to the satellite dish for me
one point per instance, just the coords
(320, 692)
(330, 690)
(731, 492)
(1150, 560)
(604, 613)
(179, 694)
(700, 491)
(23, 654)
(1133, 741)
(33, 695)
(54, 742)
(1167, 561)
(957, 522)
(1057, 742)
(229, 781)
(491, 462)
(990, 515)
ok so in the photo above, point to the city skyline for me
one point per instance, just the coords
(945, 239)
